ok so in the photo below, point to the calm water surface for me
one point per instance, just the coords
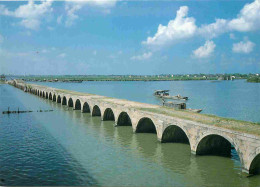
(67, 147)
(235, 99)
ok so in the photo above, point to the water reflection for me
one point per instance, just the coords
(77, 149)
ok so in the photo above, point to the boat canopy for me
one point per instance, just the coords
(161, 91)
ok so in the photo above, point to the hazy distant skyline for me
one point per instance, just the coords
(129, 37)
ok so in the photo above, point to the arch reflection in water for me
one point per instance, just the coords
(109, 115)
(174, 133)
(64, 100)
(145, 125)
(86, 108)
(59, 99)
(214, 145)
(50, 96)
(124, 120)
(255, 165)
(96, 111)
(70, 102)
(78, 105)
(54, 98)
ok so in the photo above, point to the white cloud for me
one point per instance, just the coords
(214, 29)
(245, 46)
(248, 18)
(33, 24)
(30, 13)
(70, 11)
(204, 51)
(71, 8)
(183, 27)
(62, 55)
(144, 56)
(180, 28)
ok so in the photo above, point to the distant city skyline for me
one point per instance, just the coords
(129, 37)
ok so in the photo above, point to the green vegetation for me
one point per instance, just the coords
(254, 79)
(161, 77)
(232, 124)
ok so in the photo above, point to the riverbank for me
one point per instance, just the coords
(255, 79)
(161, 77)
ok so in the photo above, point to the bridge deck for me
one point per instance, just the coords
(206, 134)
(227, 123)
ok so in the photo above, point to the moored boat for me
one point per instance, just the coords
(165, 94)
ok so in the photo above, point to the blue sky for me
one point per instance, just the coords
(129, 37)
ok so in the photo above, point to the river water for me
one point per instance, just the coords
(234, 99)
(67, 147)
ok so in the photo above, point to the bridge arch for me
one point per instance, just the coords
(47, 95)
(145, 125)
(215, 144)
(255, 165)
(124, 119)
(96, 111)
(86, 108)
(176, 134)
(54, 98)
(40, 93)
(78, 105)
(109, 115)
(64, 100)
(43, 94)
(59, 99)
(70, 102)
(50, 96)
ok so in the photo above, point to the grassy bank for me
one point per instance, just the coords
(162, 77)
(232, 124)
(255, 79)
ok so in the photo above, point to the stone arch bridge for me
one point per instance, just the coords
(204, 139)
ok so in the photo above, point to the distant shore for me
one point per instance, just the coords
(255, 79)
(164, 77)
